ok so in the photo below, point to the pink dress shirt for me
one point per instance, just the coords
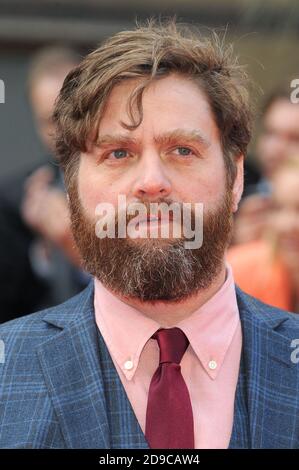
(210, 365)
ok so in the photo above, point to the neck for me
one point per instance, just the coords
(170, 313)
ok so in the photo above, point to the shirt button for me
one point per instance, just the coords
(128, 365)
(212, 365)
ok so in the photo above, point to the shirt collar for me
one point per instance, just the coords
(124, 329)
(210, 329)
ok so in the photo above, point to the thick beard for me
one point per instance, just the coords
(153, 270)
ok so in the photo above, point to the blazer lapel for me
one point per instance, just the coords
(266, 381)
(240, 437)
(71, 367)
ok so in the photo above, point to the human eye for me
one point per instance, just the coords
(183, 151)
(118, 154)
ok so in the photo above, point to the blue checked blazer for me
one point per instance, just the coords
(60, 389)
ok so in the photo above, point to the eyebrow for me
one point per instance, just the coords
(193, 135)
(109, 139)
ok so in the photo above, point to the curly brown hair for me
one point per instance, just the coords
(149, 52)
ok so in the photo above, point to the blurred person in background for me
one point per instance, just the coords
(268, 268)
(278, 139)
(38, 255)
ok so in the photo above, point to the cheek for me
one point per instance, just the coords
(207, 187)
(94, 188)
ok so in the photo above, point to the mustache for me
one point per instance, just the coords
(177, 219)
(158, 208)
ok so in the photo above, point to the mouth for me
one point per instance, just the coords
(152, 219)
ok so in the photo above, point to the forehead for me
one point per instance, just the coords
(168, 103)
(284, 113)
(45, 92)
(286, 184)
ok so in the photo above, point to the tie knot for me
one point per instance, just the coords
(172, 343)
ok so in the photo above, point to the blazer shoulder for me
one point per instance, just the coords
(267, 314)
(27, 332)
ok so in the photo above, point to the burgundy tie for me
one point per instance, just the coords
(169, 417)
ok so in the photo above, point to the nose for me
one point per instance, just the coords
(279, 147)
(151, 182)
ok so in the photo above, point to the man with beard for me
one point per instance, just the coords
(161, 350)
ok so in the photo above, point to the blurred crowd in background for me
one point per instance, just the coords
(39, 264)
